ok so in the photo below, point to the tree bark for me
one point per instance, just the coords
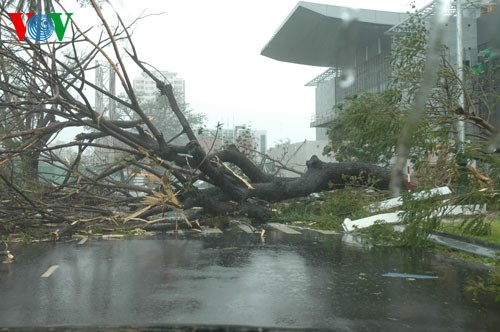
(321, 176)
(93, 189)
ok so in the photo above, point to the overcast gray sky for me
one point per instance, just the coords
(215, 46)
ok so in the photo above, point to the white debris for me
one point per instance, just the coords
(385, 218)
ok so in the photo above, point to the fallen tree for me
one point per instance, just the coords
(50, 83)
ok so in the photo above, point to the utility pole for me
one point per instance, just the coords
(460, 73)
(99, 81)
(112, 91)
(461, 160)
(105, 104)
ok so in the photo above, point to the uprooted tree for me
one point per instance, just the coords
(45, 88)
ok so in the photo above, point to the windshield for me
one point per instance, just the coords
(189, 164)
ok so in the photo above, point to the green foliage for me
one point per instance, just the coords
(424, 215)
(479, 227)
(366, 128)
(420, 218)
(246, 142)
(408, 58)
(297, 210)
(330, 210)
(490, 285)
(476, 224)
(383, 235)
(217, 221)
(350, 202)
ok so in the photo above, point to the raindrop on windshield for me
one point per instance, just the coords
(347, 78)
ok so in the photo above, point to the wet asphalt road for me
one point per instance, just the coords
(292, 281)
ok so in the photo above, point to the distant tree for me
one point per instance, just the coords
(246, 142)
(162, 116)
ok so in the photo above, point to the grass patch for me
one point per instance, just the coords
(463, 256)
(493, 235)
(297, 210)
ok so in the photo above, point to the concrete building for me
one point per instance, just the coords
(350, 43)
(146, 89)
(488, 46)
(295, 156)
(354, 45)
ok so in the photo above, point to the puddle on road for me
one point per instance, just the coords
(312, 280)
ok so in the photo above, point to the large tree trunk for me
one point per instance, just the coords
(321, 176)
(251, 202)
(94, 191)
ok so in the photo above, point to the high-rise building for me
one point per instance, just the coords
(146, 89)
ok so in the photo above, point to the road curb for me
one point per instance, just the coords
(469, 240)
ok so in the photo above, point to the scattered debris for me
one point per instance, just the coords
(398, 201)
(464, 246)
(478, 175)
(208, 231)
(113, 236)
(385, 218)
(304, 223)
(56, 235)
(356, 241)
(321, 231)
(247, 228)
(283, 228)
(9, 258)
(409, 276)
(394, 217)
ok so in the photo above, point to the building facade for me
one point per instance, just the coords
(355, 46)
(488, 60)
(146, 89)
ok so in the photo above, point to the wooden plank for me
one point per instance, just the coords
(283, 228)
(50, 271)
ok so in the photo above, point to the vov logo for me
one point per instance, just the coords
(40, 27)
